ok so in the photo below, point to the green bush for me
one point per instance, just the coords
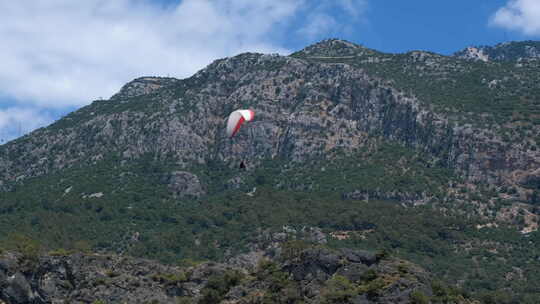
(28, 247)
(171, 278)
(293, 249)
(418, 297)
(338, 290)
(60, 252)
(219, 285)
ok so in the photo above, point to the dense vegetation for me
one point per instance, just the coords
(128, 209)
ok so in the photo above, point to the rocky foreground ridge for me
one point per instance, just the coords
(292, 272)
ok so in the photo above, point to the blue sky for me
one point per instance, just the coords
(59, 55)
(439, 26)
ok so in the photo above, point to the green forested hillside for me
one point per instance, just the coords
(103, 207)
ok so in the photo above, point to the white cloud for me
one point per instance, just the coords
(519, 15)
(318, 24)
(354, 7)
(16, 121)
(60, 54)
(326, 17)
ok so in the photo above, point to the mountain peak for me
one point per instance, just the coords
(473, 53)
(335, 43)
(143, 85)
(506, 51)
(333, 48)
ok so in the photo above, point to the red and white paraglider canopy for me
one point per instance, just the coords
(236, 119)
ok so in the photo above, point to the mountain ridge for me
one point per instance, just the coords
(506, 51)
(182, 95)
(432, 157)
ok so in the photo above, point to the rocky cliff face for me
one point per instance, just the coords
(306, 108)
(508, 51)
(473, 53)
(286, 273)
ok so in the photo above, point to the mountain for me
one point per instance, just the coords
(329, 86)
(508, 51)
(434, 158)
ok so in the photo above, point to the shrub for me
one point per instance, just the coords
(418, 297)
(219, 285)
(82, 246)
(29, 248)
(171, 278)
(293, 249)
(60, 252)
(339, 290)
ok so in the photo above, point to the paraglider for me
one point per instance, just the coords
(236, 119)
